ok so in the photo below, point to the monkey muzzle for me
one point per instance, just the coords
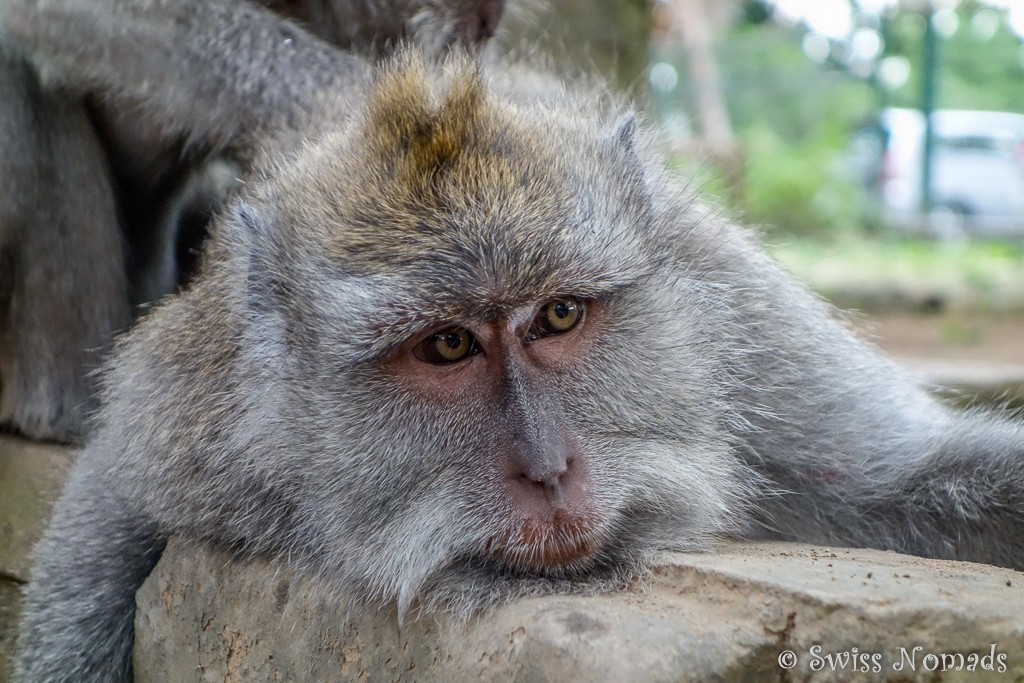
(560, 542)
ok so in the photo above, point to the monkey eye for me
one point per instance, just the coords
(556, 317)
(447, 346)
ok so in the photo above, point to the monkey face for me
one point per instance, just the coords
(487, 360)
(510, 366)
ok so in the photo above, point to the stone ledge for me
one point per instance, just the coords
(726, 615)
(31, 477)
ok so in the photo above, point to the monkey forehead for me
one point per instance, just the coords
(468, 187)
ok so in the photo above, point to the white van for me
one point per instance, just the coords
(977, 174)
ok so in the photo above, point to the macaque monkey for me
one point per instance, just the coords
(472, 340)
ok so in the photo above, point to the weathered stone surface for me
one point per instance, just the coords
(10, 605)
(726, 615)
(31, 477)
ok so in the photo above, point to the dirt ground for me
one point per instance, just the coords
(949, 337)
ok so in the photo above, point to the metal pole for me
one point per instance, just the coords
(929, 67)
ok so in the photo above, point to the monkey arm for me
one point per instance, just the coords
(372, 26)
(956, 496)
(963, 500)
(80, 606)
(63, 289)
(859, 453)
(209, 71)
(856, 451)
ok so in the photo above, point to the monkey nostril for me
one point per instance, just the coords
(545, 480)
(548, 488)
(548, 479)
(483, 30)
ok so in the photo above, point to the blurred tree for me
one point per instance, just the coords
(694, 25)
(981, 63)
(608, 37)
(792, 120)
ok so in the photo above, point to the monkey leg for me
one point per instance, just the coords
(63, 291)
(79, 611)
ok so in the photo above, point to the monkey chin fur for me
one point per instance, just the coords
(563, 545)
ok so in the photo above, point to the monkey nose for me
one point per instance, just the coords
(545, 473)
(548, 482)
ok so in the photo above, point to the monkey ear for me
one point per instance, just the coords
(263, 287)
(624, 132)
(621, 143)
(621, 140)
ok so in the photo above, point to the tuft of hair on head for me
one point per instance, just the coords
(427, 116)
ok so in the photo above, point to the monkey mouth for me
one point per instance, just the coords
(556, 546)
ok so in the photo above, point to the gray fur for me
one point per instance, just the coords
(63, 292)
(710, 395)
(114, 112)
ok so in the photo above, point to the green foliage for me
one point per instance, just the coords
(795, 119)
(798, 187)
(974, 72)
(768, 78)
(792, 119)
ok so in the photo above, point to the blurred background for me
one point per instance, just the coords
(878, 145)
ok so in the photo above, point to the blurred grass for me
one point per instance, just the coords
(873, 274)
